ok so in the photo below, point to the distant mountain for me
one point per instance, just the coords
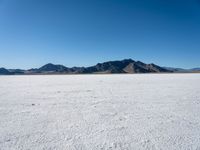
(123, 66)
(16, 71)
(53, 68)
(48, 68)
(180, 70)
(195, 69)
(109, 67)
(4, 71)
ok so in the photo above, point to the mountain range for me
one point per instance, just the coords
(123, 66)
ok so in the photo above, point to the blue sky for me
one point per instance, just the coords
(85, 32)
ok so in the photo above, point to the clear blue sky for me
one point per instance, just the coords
(84, 32)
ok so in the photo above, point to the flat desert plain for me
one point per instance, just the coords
(100, 112)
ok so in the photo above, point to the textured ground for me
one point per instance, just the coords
(92, 112)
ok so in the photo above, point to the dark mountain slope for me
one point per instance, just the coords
(125, 66)
(4, 71)
(109, 67)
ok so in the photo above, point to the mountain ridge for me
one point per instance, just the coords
(109, 67)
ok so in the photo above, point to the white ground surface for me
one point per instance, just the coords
(92, 112)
